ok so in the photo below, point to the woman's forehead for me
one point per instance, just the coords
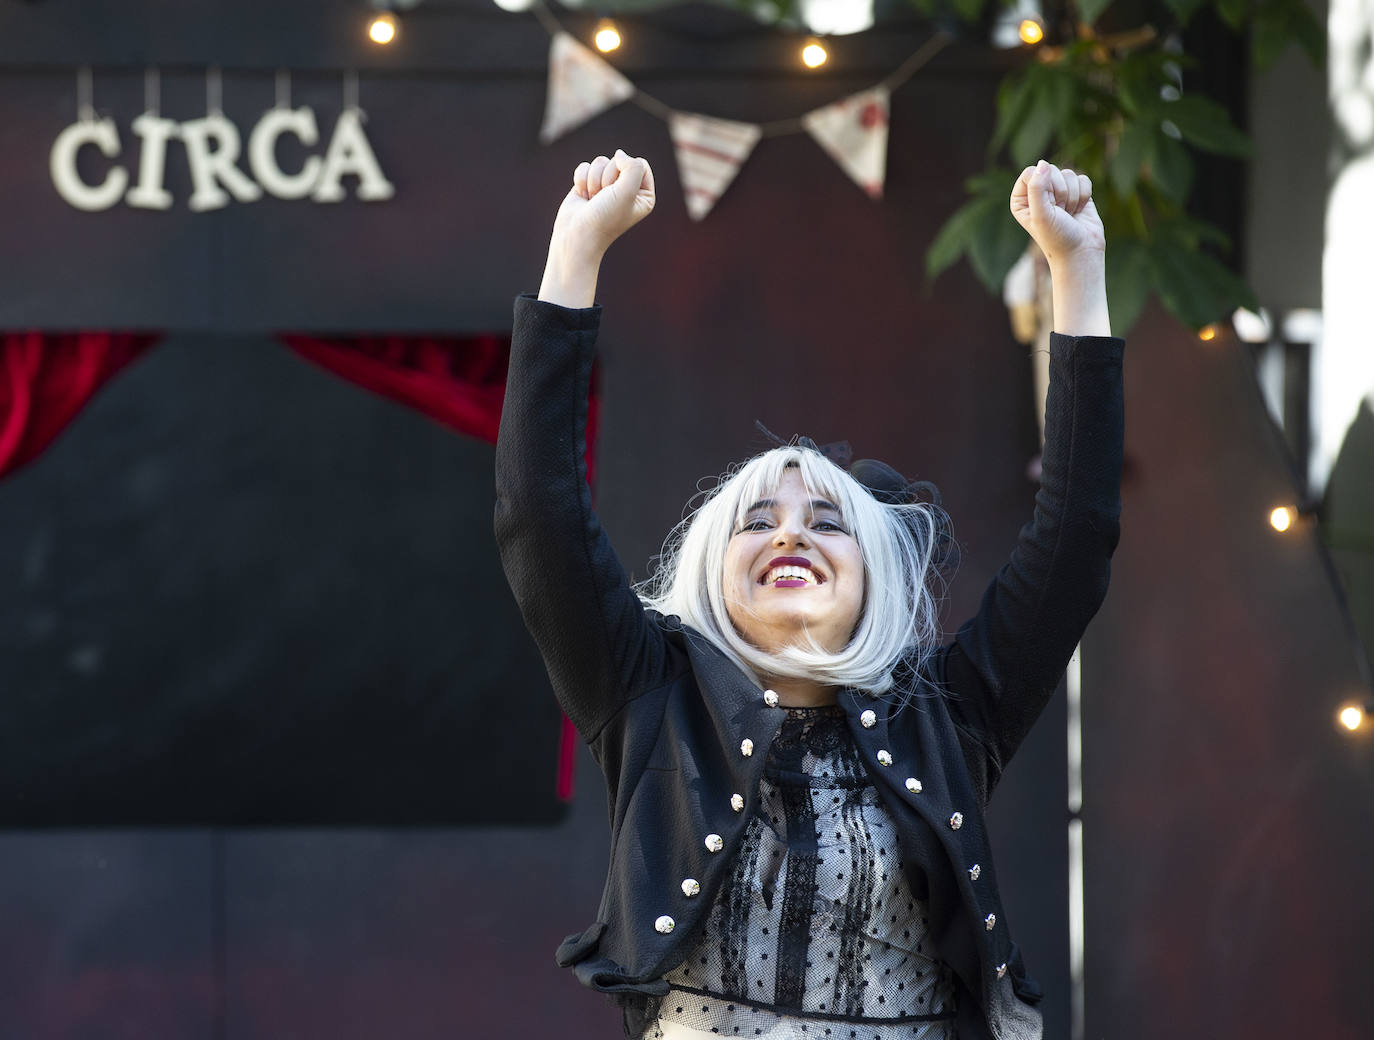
(791, 487)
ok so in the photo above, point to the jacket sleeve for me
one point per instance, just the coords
(598, 645)
(1005, 663)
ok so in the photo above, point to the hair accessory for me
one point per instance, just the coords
(880, 480)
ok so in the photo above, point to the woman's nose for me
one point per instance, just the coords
(790, 532)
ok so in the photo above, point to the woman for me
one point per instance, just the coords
(797, 772)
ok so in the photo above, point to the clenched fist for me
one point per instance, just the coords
(1056, 208)
(608, 197)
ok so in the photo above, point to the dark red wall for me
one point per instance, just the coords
(1226, 816)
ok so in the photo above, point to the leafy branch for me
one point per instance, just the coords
(1115, 106)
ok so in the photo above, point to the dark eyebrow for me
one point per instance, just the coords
(816, 504)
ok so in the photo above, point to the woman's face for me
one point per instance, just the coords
(792, 568)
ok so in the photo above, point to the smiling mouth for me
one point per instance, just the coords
(790, 576)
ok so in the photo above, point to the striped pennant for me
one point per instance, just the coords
(854, 131)
(709, 154)
(581, 85)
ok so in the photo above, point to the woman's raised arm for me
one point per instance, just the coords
(1056, 208)
(608, 197)
(1005, 662)
(600, 648)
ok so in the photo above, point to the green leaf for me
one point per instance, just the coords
(1014, 98)
(1124, 166)
(1309, 32)
(1192, 233)
(1128, 282)
(1032, 136)
(1207, 125)
(953, 240)
(998, 242)
(1171, 168)
(969, 10)
(1194, 286)
(1268, 38)
(1048, 109)
(1280, 22)
(1137, 88)
(1090, 11)
(1234, 12)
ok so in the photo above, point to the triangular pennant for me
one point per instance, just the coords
(709, 154)
(581, 85)
(854, 131)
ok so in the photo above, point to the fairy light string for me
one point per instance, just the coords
(777, 127)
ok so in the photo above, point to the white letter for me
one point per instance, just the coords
(209, 167)
(349, 152)
(262, 152)
(149, 192)
(62, 164)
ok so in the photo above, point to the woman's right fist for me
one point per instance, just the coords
(608, 197)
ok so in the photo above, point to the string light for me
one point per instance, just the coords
(1252, 326)
(1281, 519)
(1030, 31)
(382, 29)
(1352, 717)
(813, 55)
(1208, 333)
(607, 36)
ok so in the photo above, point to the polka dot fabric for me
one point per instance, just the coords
(817, 933)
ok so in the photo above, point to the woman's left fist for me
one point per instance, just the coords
(1056, 208)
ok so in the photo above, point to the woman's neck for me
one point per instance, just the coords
(801, 693)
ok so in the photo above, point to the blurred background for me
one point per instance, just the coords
(277, 758)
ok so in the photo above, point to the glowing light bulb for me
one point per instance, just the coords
(1030, 31)
(607, 37)
(1207, 333)
(813, 55)
(1281, 519)
(1352, 717)
(382, 29)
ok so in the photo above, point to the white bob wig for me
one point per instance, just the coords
(904, 548)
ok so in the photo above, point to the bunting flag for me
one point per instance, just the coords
(709, 153)
(854, 131)
(581, 85)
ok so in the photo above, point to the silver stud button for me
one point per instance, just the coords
(691, 887)
(1001, 970)
(884, 759)
(990, 921)
(869, 719)
(737, 802)
(956, 821)
(714, 843)
(746, 747)
(665, 924)
(770, 698)
(974, 871)
(913, 785)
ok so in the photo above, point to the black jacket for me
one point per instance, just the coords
(667, 715)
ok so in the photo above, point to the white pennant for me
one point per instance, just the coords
(709, 154)
(854, 131)
(581, 85)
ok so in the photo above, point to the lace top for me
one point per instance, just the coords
(816, 932)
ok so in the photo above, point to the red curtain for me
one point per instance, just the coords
(459, 382)
(47, 378)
